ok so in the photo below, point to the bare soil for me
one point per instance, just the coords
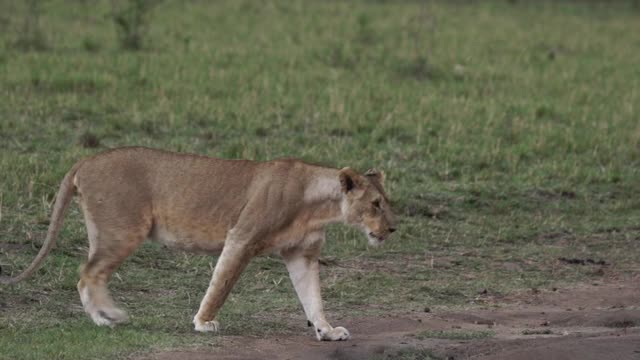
(590, 321)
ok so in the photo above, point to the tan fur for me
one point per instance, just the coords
(237, 208)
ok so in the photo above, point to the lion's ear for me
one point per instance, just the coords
(349, 180)
(376, 175)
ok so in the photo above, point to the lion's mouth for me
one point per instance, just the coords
(379, 238)
(375, 240)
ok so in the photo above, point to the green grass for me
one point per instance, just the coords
(81, 341)
(509, 134)
(409, 354)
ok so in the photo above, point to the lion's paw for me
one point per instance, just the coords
(206, 326)
(108, 316)
(336, 334)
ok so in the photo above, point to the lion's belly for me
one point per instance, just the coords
(192, 240)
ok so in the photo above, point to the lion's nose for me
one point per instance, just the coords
(392, 230)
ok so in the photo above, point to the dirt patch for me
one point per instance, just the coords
(619, 347)
(606, 294)
(586, 322)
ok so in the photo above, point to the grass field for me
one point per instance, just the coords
(509, 132)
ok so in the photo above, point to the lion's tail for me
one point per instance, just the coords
(63, 199)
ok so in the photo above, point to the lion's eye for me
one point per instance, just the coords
(376, 204)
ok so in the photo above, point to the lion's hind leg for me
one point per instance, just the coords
(107, 251)
(98, 303)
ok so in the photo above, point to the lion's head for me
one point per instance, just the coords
(366, 205)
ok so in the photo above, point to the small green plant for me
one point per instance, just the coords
(32, 38)
(365, 34)
(131, 18)
(422, 29)
(90, 44)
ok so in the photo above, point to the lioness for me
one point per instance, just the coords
(237, 208)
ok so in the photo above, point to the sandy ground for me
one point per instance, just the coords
(594, 321)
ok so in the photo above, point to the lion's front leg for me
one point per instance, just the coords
(232, 261)
(304, 273)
